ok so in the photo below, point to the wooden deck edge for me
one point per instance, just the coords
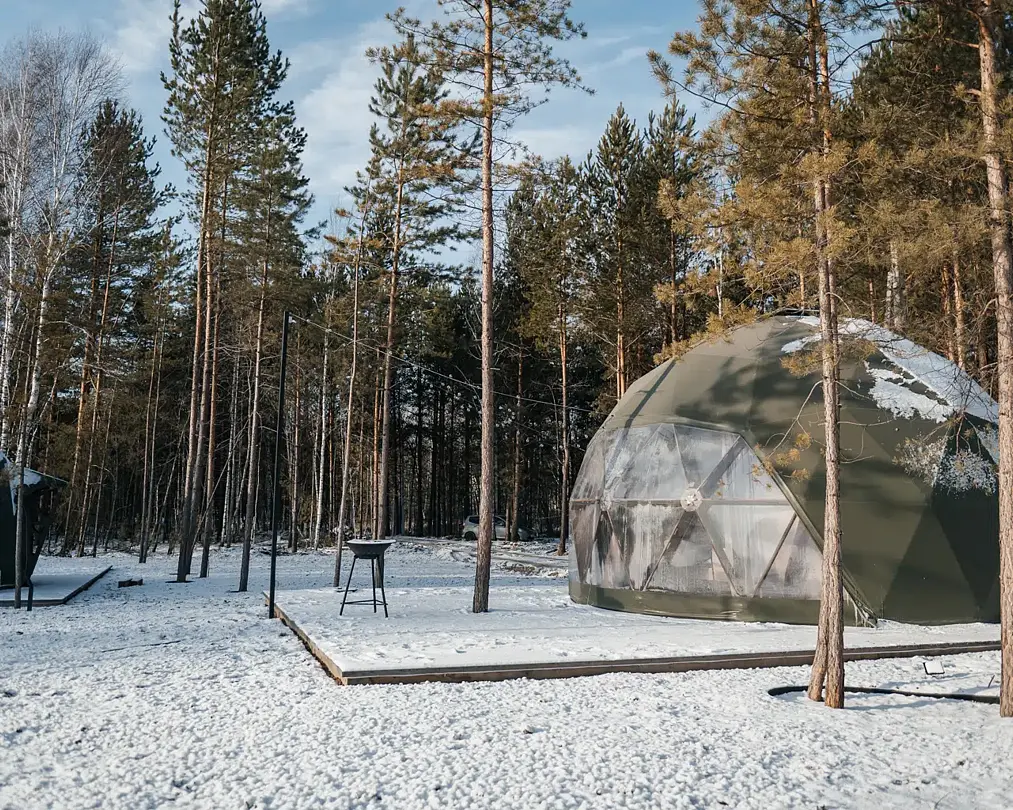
(652, 665)
(55, 602)
(87, 584)
(323, 658)
(467, 674)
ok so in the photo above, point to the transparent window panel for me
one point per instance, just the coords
(590, 479)
(690, 565)
(748, 537)
(797, 569)
(702, 451)
(629, 528)
(746, 479)
(626, 446)
(645, 531)
(583, 526)
(608, 568)
(655, 472)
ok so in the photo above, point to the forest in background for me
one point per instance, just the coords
(139, 351)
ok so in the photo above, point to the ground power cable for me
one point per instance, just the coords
(778, 691)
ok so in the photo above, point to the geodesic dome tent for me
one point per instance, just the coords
(702, 495)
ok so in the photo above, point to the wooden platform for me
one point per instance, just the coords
(576, 669)
(55, 589)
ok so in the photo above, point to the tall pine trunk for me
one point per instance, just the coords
(483, 558)
(86, 370)
(990, 22)
(564, 497)
(321, 449)
(200, 327)
(293, 536)
(515, 499)
(253, 441)
(212, 478)
(828, 661)
(959, 315)
(383, 497)
(375, 469)
(350, 402)
(150, 435)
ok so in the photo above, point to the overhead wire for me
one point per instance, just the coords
(473, 387)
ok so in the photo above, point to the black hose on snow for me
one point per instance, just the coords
(777, 691)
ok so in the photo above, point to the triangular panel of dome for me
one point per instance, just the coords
(690, 564)
(626, 446)
(746, 479)
(655, 472)
(702, 451)
(583, 524)
(608, 569)
(645, 531)
(748, 536)
(796, 572)
(590, 479)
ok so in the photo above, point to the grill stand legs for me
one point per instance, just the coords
(375, 568)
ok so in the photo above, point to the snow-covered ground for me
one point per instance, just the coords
(187, 695)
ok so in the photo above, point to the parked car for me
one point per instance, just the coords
(469, 529)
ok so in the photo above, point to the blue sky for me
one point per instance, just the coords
(330, 80)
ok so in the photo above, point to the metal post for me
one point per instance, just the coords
(276, 500)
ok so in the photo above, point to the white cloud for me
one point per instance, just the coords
(141, 39)
(335, 109)
(282, 8)
(551, 142)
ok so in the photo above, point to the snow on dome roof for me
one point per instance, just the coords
(947, 380)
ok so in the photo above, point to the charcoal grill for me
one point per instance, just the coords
(372, 550)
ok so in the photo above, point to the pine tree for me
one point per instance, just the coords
(626, 225)
(672, 158)
(494, 54)
(124, 236)
(551, 264)
(771, 70)
(418, 187)
(991, 18)
(271, 203)
(224, 80)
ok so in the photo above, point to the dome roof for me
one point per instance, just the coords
(703, 492)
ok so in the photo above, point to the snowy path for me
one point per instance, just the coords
(186, 695)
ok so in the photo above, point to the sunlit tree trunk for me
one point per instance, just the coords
(564, 500)
(515, 499)
(483, 560)
(828, 662)
(388, 361)
(990, 29)
(253, 440)
(321, 448)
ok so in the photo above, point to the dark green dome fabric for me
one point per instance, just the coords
(703, 492)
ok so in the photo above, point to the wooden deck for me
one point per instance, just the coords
(55, 589)
(578, 669)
